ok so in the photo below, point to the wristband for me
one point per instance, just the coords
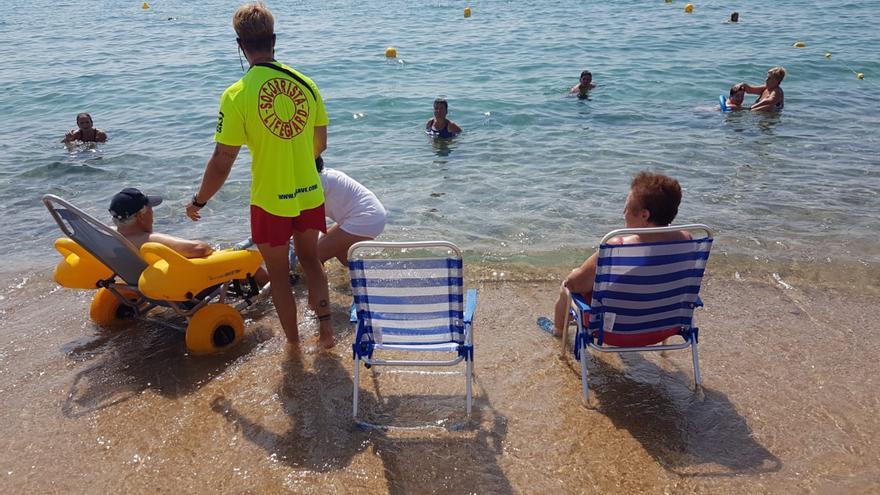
(195, 201)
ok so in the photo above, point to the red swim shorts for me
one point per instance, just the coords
(266, 227)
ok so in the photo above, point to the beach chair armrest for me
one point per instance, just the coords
(580, 302)
(470, 301)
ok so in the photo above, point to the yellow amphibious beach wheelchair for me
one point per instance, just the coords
(131, 283)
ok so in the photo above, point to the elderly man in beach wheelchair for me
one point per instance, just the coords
(133, 281)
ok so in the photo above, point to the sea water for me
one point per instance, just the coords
(537, 176)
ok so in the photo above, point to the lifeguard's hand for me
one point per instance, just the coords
(192, 211)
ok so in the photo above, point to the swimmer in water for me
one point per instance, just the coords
(85, 132)
(584, 85)
(735, 99)
(771, 98)
(440, 126)
(734, 17)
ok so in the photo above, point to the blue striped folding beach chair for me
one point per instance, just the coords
(409, 296)
(643, 294)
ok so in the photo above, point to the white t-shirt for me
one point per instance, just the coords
(351, 205)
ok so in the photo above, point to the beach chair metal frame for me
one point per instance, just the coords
(63, 212)
(579, 308)
(371, 308)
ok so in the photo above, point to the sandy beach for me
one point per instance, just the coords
(788, 405)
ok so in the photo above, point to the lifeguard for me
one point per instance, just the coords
(279, 114)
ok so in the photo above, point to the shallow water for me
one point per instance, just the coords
(127, 409)
(536, 174)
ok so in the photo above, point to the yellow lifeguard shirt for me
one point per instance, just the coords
(274, 110)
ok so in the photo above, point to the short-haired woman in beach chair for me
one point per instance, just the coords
(642, 285)
(652, 201)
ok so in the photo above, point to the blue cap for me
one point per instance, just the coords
(130, 201)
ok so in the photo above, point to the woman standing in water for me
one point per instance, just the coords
(85, 132)
(440, 126)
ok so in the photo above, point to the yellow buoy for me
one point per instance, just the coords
(799, 44)
(145, 6)
(391, 52)
(689, 8)
(467, 11)
(827, 54)
(860, 75)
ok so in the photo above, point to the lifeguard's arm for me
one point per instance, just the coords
(453, 127)
(320, 141)
(183, 247)
(100, 136)
(216, 172)
(767, 103)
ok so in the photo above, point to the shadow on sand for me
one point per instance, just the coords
(129, 359)
(693, 434)
(461, 458)
(322, 436)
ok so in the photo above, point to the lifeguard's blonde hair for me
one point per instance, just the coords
(777, 73)
(255, 26)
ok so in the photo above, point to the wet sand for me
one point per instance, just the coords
(789, 404)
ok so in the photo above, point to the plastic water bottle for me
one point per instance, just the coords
(244, 244)
(291, 257)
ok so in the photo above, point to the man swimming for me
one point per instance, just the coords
(771, 96)
(584, 85)
(440, 126)
(85, 132)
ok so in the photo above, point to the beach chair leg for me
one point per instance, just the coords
(357, 374)
(697, 379)
(565, 323)
(584, 376)
(469, 379)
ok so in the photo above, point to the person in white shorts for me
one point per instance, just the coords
(358, 214)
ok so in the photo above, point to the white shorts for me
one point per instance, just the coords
(364, 225)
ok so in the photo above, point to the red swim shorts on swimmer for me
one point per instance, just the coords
(266, 227)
